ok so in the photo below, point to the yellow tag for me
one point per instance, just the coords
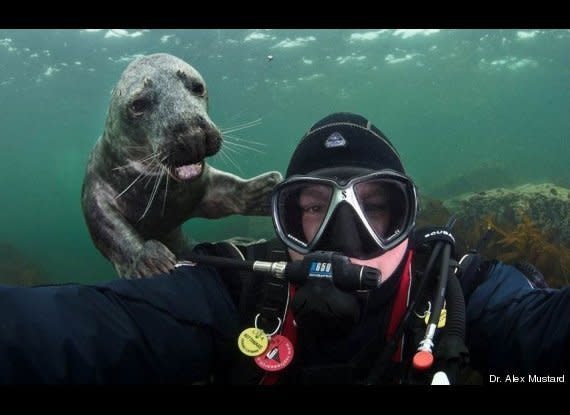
(253, 342)
(442, 318)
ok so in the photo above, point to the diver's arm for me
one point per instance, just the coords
(513, 328)
(174, 328)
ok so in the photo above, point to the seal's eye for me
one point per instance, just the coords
(139, 105)
(198, 89)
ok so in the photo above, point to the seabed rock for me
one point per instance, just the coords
(528, 223)
(546, 204)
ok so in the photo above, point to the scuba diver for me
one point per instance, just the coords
(350, 292)
(410, 313)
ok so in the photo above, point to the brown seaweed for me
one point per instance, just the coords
(526, 242)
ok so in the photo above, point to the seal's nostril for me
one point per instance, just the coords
(200, 121)
(180, 128)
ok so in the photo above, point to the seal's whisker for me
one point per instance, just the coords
(129, 186)
(236, 138)
(244, 146)
(153, 194)
(165, 191)
(150, 158)
(168, 170)
(234, 150)
(142, 161)
(227, 157)
(235, 129)
(122, 167)
(142, 173)
(152, 167)
(152, 173)
(241, 126)
(150, 164)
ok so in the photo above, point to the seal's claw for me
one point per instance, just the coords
(154, 258)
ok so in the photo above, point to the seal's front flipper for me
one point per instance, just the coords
(228, 194)
(257, 192)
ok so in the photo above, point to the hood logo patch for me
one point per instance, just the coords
(335, 140)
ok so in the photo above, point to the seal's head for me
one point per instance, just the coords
(159, 110)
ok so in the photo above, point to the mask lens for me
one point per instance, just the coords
(301, 210)
(385, 205)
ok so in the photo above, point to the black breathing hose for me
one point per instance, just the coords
(453, 353)
(455, 308)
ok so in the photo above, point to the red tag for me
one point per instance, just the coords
(278, 354)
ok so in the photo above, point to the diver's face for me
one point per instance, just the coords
(374, 201)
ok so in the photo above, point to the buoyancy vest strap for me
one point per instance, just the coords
(273, 303)
(289, 331)
(275, 293)
(399, 307)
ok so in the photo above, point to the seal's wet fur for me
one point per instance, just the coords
(135, 195)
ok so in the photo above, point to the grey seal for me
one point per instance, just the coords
(147, 175)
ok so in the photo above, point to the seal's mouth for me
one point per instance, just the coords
(187, 172)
